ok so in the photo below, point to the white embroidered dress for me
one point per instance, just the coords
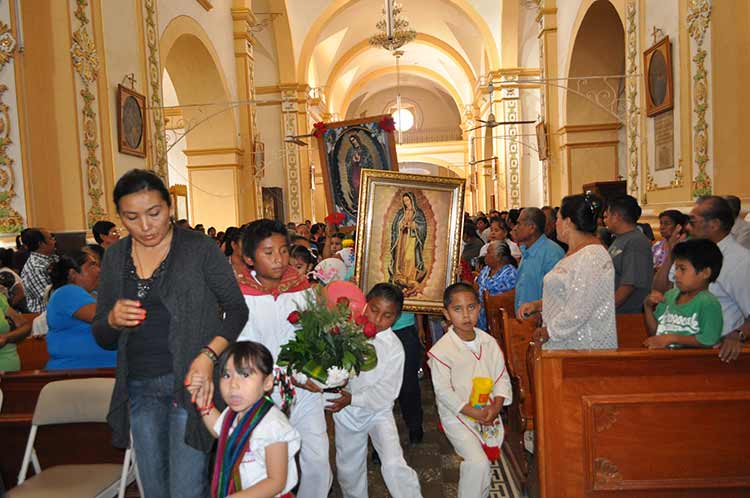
(579, 301)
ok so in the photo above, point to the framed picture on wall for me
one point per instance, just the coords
(541, 141)
(131, 122)
(657, 63)
(346, 149)
(409, 234)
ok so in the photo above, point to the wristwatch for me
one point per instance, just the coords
(743, 336)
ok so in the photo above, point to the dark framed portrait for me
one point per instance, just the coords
(346, 149)
(131, 122)
(657, 73)
(409, 234)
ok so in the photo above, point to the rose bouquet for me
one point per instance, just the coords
(332, 339)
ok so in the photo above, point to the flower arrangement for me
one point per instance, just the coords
(331, 343)
(335, 218)
(387, 124)
(320, 129)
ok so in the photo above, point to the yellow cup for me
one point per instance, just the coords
(481, 389)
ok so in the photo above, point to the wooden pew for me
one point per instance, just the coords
(33, 353)
(642, 423)
(631, 330)
(493, 308)
(90, 442)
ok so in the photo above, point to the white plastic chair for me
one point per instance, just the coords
(68, 402)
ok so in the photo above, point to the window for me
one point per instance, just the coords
(403, 120)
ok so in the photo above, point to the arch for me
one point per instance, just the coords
(187, 54)
(422, 38)
(418, 70)
(333, 10)
(598, 49)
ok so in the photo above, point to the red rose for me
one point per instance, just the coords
(334, 218)
(369, 330)
(343, 300)
(387, 124)
(320, 129)
(361, 320)
(293, 317)
(335, 331)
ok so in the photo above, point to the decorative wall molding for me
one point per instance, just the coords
(291, 155)
(633, 82)
(11, 221)
(511, 145)
(85, 61)
(699, 25)
(158, 152)
(543, 96)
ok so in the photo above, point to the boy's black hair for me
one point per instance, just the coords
(258, 231)
(389, 292)
(701, 253)
(456, 288)
(248, 356)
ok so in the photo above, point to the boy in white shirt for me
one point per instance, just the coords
(365, 408)
(273, 290)
(461, 355)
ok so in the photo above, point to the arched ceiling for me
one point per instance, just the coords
(457, 39)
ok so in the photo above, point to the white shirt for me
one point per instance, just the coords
(454, 367)
(274, 428)
(732, 288)
(374, 391)
(579, 301)
(741, 232)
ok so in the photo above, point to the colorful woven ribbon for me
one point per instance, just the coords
(232, 448)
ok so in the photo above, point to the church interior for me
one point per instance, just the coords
(524, 102)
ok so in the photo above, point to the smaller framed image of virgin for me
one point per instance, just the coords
(131, 122)
(657, 64)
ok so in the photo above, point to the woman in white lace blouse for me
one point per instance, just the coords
(578, 298)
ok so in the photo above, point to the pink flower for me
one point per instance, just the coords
(293, 317)
(369, 330)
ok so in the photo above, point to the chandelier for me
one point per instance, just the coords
(395, 31)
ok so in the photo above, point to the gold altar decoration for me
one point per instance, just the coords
(698, 20)
(633, 82)
(10, 220)
(7, 45)
(154, 76)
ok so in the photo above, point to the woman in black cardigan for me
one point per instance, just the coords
(169, 303)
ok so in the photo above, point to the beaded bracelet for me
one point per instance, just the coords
(206, 350)
(207, 410)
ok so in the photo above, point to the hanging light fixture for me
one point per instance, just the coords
(395, 31)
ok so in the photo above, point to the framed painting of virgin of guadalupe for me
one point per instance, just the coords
(409, 234)
(348, 147)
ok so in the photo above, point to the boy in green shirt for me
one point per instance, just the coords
(687, 315)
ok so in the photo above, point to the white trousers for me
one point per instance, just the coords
(351, 456)
(475, 474)
(308, 418)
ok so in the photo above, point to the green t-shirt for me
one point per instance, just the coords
(700, 317)
(9, 361)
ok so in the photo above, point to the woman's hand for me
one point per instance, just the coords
(201, 372)
(528, 309)
(126, 313)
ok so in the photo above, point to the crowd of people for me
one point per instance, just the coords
(146, 305)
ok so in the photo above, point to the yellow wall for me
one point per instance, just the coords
(54, 183)
(212, 191)
(731, 72)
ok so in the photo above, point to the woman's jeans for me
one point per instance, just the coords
(167, 466)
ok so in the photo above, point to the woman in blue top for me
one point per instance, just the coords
(499, 275)
(70, 312)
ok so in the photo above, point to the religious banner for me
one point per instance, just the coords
(409, 234)
(348, 147)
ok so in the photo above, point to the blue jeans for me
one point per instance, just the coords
(168, 467)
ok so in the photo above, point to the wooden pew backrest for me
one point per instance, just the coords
(631, 330)
(642, 424)
(493, 307)
(33, 353)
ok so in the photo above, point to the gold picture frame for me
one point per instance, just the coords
(131, 122)
(409, 234)
(657, 75)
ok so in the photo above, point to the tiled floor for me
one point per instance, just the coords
(433, 460)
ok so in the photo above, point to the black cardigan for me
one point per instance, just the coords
(201, 293)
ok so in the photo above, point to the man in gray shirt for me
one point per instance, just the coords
(631, 255)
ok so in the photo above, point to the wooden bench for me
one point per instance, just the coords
(33, 353)
(493, 309)
(89, 443)
(638, 423)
